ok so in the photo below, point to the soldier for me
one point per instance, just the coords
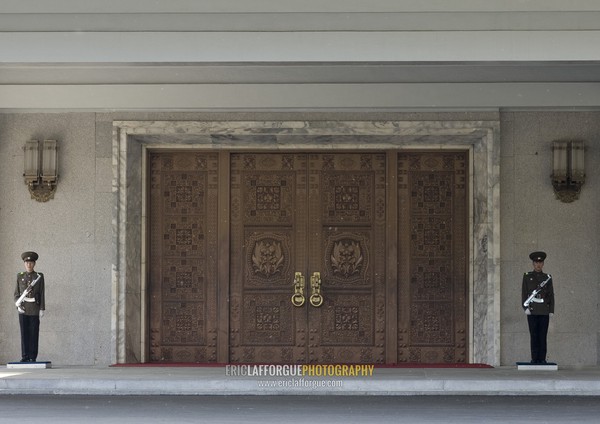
(32, 308)
(541, 307)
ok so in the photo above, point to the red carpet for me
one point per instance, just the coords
(434, 366)
(212, 364)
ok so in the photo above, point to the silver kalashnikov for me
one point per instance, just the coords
(21, 299)
(532, 297)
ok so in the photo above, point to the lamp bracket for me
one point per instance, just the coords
(567, 193)
(42, 192)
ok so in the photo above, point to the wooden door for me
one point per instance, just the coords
(182, 268)
(432, 257)
(307, 214)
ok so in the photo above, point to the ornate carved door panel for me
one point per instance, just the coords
(268, 245)
(182, 268)
(307, 213)
(310, 213)
(433, 257)
(347, 239)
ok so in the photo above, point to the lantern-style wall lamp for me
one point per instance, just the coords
(568, 170)
(41, 169)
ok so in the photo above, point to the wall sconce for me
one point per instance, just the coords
(568, 170)
(40, 169)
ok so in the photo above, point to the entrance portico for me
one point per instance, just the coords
(133, 139)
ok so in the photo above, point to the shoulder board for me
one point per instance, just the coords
(21, 273)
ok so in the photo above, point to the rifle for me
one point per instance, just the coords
(21, 299)
(532, 297)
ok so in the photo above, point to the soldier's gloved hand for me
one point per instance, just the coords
(41, 314)
(551, 314)
(527, 311)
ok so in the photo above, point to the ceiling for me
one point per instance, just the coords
(386, 54)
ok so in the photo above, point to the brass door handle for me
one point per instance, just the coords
(298, 298)
(316, 298)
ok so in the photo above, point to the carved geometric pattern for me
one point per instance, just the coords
(347, 320)
(269, 196)
(266, 320)
(183, 216)
(183, 279)
(436, 355)
(183, 354)
(184, 192)
(431, 323)
(433, 194)
(432, 292)
(431, 236)
(183, 236)
(347, 197)
(431, 280)
(183, 323)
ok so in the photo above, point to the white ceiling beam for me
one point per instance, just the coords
(438, 96)
(254, 6)
(299, 73)
(225, 47)
(302, 21)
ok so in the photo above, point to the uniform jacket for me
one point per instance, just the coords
(38, 292)
(531, 280)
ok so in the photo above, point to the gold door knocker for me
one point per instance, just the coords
(298, 298)
(316, 299)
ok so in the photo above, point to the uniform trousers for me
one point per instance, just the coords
(538, 332)
(30, 333)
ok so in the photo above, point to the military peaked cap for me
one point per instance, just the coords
(29, 256)
(538, 256)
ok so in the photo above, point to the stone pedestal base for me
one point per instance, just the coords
(29, 365)
(528, 366)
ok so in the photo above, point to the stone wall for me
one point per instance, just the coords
(73, 233)
(533, 219)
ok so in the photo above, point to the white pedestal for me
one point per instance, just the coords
(527, 366)
(29, 365)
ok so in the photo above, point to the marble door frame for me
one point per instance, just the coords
(131, 139)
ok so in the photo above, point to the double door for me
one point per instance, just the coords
(307, 269)
(308, 257)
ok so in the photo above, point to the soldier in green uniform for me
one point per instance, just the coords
(32, 308)
(541, 307)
